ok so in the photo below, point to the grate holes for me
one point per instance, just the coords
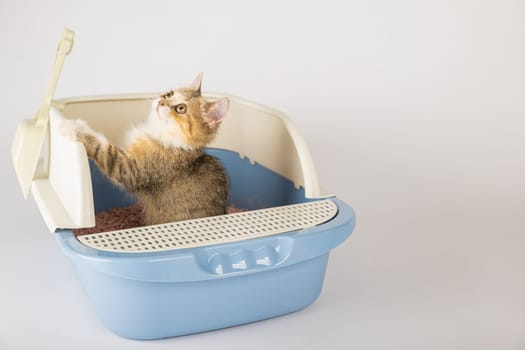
(213, 230)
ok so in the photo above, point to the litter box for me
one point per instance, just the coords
(197, 275)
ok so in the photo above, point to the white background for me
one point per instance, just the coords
(414, 112)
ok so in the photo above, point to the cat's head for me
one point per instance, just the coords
(188, 117)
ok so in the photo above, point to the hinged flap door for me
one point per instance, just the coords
(65, 197)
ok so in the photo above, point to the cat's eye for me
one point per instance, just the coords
(167, 95)
(180, 108)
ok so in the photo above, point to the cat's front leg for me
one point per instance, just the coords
(112, 160)
(79, 130)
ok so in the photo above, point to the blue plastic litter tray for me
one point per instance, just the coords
(167, 293)
(197, 275)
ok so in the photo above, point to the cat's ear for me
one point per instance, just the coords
(216, 111)
(196, 85)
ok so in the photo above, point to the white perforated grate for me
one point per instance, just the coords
(213, 230)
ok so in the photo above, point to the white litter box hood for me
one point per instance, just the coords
(62, 186)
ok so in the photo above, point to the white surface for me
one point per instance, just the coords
(414, 112)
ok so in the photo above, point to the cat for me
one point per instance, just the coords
(163, 163)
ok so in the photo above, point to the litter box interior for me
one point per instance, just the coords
(266, 159)
(252, 186)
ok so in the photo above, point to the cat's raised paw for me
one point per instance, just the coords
(71, 129)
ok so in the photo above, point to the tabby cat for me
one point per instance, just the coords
(163, 163)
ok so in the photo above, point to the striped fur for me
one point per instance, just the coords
(173, 182)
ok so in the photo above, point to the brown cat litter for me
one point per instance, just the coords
(121, 219)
